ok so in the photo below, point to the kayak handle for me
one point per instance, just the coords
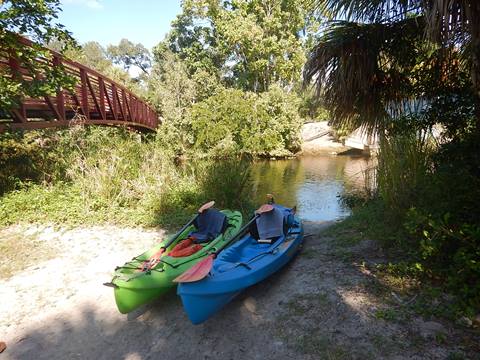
(109, 284)
(244, 265)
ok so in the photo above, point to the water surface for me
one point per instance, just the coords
(312, 183)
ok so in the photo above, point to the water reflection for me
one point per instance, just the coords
(311, 183)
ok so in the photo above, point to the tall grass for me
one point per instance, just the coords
(229, 182)
(112, 175)
(404, 166)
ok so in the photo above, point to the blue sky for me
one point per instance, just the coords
(108, 21)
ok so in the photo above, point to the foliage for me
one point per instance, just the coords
(450, 250)
(223, 78)
(30, 157)
(110, 175)
(402, 171)
(262, 41)
(35, 18)
(229, 182)
(234, 121)
(375, 68)
(194, 41)
(93, 55)
(368, 58)
(129, 54)
(311, 107)
(387, 55)
(174, 92)
(252, 44)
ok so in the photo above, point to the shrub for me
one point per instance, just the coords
(449, 251)
(234, 122)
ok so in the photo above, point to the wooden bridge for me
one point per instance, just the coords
(95, 99)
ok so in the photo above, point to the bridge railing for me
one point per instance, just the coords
(95, 99)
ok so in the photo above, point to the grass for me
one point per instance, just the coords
(108, 175)
(366, 222)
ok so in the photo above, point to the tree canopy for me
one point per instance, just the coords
(35, 19)
(129, 54)
(375, 58)
(249, 44)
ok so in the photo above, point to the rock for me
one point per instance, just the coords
(3, 346)
(250, 304)
(464, 321)
(429, 329)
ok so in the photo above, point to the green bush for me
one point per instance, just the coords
(111, 175)
(427, 205)
(238, 122)
(451, 251)
(35, 156)
(403, 170)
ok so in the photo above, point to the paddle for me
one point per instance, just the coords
(155, 258)
(203, 267)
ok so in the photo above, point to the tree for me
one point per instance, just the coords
(248, 44)
(172, 90)
(262, 39)
(236, 121)
(95, 56)
(35, 19)
(128, 54)
(194, 40)
(365, 65)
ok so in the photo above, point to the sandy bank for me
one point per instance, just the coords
(321, 306)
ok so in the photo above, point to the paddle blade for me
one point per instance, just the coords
(264, 208)
(206, 206)
(197, 271)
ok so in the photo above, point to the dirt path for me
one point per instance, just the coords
(323, 305)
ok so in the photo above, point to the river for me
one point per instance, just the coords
(312, 183)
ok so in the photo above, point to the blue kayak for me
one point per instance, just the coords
(245, 263)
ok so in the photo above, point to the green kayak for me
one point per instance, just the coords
(134, 287)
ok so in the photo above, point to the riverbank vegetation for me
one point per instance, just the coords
(108, 175)
(412, 79)
(224, 88)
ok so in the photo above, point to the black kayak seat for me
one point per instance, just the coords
(209, 225)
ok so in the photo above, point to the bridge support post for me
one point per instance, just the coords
(84, 94)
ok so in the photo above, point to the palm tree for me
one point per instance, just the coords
(365, 62)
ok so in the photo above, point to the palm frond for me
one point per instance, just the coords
(362, 70)
(452, 20)
(372, 10)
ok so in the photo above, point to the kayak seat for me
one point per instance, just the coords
(271, 226)
(209, 225)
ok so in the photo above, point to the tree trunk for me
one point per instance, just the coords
(475, 46)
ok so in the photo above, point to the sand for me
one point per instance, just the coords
(321, 306)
